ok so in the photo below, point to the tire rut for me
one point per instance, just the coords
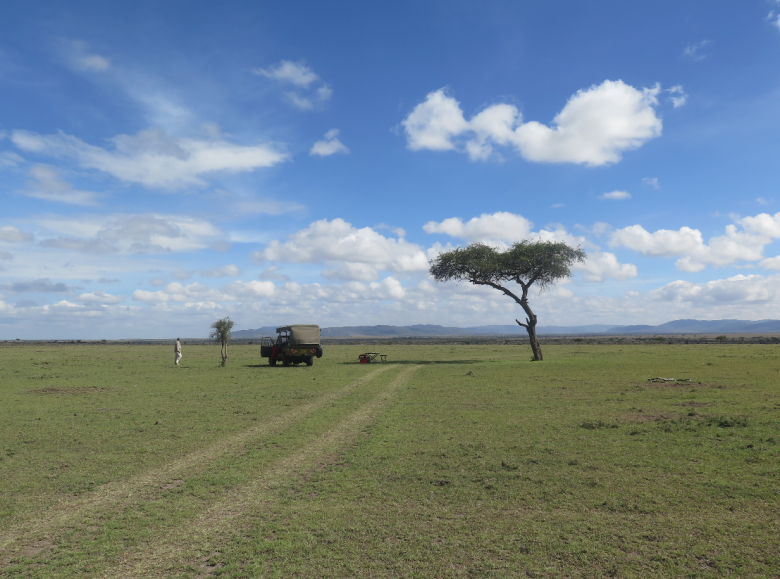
(116, 495)
(179, 547)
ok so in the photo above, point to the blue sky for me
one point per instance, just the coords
(166, 164)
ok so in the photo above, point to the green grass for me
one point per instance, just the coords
(454, 461)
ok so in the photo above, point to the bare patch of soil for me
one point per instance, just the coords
(644, 417)
(207, 566)
(676, 385)
(34, 549)
(175, 483)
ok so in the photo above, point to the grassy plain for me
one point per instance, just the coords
(450, 461)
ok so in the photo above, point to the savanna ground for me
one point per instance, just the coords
(449, 461)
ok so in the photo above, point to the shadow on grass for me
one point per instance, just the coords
(394, 362)
(418, 362)
(277, 367)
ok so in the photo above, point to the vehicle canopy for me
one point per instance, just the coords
(301, 334)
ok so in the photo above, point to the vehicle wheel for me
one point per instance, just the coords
(285, 361)
(310, 361)
(272, 361)
(319, 351)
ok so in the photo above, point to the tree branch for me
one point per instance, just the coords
(503, 289)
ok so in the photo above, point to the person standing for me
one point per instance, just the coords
(177, 350)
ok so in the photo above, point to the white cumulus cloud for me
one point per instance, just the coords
(600, 266)
(774, 19)
(737, 289)
(93, 62)
(272, 273)
(302, 77)
(224, 271)
(196, 292)
(338, 241)
(615, 195)
(299, 101)
(678, 96)
(487, 228)
(243, 290)
(771, 263)
(100, 297)
(694, 254)
(594, 128)
(14, 234)
(695, 51)
(501, 229)
(50, 186)
(352, 271)
(152, 157)
(329, 145)
(129, 233)
(296, 73)
(9, 158)
(81, 58)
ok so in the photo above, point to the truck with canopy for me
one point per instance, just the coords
(293, 345)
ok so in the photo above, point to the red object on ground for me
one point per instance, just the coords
(364, 359)
(274, 352)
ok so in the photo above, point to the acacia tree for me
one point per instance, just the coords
(525, 263)
(222, 333)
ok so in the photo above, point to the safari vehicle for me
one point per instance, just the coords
(293, 345)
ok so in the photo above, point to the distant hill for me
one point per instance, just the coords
(429, 330)
(258, 333)
(419, 330)
(702, 327)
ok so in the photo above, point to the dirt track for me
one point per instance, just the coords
(189, 545)
(184, 547)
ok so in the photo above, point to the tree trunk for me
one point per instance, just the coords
(530, 327)
(535, 345)
(530, 321)
(224, 354)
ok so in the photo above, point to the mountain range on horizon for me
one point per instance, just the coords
(430, 330)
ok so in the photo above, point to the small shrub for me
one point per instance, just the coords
(597, 424)
(721, 338)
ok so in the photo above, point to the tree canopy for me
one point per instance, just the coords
(525, 263)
